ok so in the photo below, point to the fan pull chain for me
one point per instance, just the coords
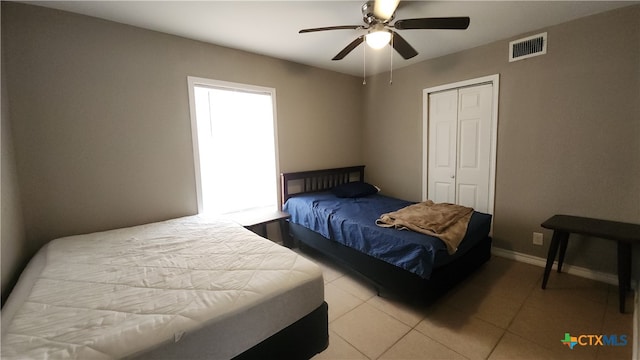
(364, 65)
(391, 52)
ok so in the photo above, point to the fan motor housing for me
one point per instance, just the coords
(368, 14)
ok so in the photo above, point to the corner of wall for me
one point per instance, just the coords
(12, 233)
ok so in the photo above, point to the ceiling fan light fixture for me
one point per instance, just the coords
(384, 9)
(377, 16)
(378, 39)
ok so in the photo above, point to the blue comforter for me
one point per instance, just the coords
(351, 222)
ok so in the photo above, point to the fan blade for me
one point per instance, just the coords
(402, 46)
(454, 23)
(384, 9)
(354, 44)
(341, 27)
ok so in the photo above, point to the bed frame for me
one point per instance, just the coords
(296, 183)
(301, 340)
(389, 280)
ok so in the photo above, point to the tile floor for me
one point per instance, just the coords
(499, 313)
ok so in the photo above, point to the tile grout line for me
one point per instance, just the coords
(352, 345)
(424, 316)
(506, 328)
(414, 327)
(411, 327)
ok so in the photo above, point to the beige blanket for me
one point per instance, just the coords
(446, 221)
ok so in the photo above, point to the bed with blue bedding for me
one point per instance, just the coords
(398, 262)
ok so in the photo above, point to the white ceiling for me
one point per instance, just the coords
(271, 27)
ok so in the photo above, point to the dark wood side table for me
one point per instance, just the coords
(624, 234)
(257, 220)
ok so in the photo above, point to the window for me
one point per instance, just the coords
(234, 143)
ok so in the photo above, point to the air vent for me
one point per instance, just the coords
(528, 47)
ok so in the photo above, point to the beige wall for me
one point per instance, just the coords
(13, 247)
(101, 125)
(568, 130)
(101, 133)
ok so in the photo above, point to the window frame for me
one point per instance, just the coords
(193, 81)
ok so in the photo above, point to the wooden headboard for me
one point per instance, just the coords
(295, 183)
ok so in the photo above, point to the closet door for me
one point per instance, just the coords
(474, 147)
(443, 129)
(460, 146)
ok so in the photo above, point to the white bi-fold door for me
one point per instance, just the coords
(460, 146)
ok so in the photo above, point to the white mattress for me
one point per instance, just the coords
(189, 287)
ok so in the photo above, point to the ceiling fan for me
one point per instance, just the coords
(377, 16)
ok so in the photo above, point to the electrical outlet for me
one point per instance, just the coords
(538, 239)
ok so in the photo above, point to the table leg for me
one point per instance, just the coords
(624, 272)
(284, 232)
(263, 231)
(564, 240)
(551, 256)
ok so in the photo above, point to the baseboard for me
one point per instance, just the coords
(570, 269)
(589, 274)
